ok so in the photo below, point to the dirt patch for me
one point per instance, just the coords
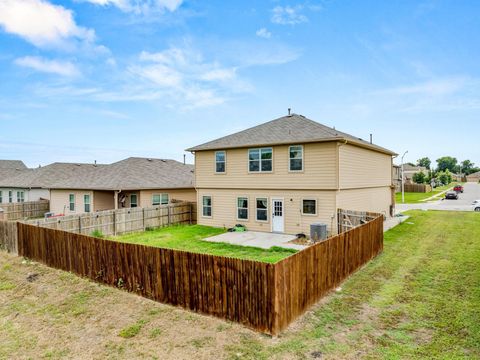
(55, 314)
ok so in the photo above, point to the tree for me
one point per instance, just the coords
(446, 163)
(425, 162)
(419, 178)
(466, 167)
(443, 178)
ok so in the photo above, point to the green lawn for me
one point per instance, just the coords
(189, 238)
(413, 198)
(420, 299)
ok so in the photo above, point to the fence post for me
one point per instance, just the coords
(79, 224)
(168, 209)
(143, 218)
(190, 205)
(114, 223)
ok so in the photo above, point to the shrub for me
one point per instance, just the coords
(97, 233)
(419, 178)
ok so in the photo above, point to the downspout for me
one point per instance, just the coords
(337, 193)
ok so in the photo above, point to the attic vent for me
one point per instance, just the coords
(163, 160)
(77, 164)
(149, 159)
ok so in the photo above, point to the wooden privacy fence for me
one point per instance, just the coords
(114, 222)
(417, 188)
(8, 236)
(348, 219)
(265, 297)
(22, 210)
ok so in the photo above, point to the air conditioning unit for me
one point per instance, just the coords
(318, 232)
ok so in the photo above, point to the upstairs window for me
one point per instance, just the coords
(86, 203)
(71, 200)
(260, 160)
(296, 158)
(220, 162)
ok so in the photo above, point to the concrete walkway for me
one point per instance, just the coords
(392, 222)
(262, 240)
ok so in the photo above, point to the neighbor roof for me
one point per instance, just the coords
(44, 177)
(132, 174)
(289, 129)
(12, 164)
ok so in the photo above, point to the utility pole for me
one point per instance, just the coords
(403, 179)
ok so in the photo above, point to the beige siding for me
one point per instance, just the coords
(224, 209)
(59, 201)
(103, 200)
(369, 199)
(320, 170)
(145, 199)
(363, 168)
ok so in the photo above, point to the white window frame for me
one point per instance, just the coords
(85, 203)
(70, 207)
(290, 159)
(136, 200)
(316, 206)
(211, 206)
(10, 196)
(260, 160)
(243, 208)
(1, 196)
(161, 200)
(256, 208)
(224, 162)
(20, 196)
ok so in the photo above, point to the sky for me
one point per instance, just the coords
(87, 80)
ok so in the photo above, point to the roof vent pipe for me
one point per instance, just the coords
(371, 139)
(289, 110)
(184, 157)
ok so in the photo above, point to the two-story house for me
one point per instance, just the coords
(283, 175)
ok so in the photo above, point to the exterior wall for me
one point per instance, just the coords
(29, 194)
(224, 209)
(362, 168)
(5, 197)
(103, 200)
(319, 169)
(372, 199)
(473, 177)
(145, 199)
(59, 201)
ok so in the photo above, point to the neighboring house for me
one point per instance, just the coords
(410, 170)
(33, 184)
(397, 177)
(288, 173)
(133, 182)
(9, 191)
(475, 177)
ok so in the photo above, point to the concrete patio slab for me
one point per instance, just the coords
(262, 240)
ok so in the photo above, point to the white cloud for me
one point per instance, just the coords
(436, 87)
(63, 68)
(140, 6)
(288, 15)
(41, 23)
(264, 33)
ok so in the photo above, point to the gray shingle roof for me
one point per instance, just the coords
(12, 164)
(285, 130)
(129, 174)
(132, 174)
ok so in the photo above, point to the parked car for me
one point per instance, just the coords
(476, 205)
(451, 195)
(458, 188)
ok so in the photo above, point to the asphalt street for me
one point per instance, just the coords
(464, 202)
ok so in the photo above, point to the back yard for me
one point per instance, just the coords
(419, 299)
(190, 238)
